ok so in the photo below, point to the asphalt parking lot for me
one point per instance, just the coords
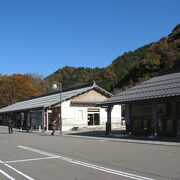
(41, 156)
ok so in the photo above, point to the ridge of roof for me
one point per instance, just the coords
(152, 84)
(167, 85)
(63, 90)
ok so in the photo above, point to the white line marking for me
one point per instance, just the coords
(26, 160)
(7, 175)
(112, 171)
(19, 172)
(100, 168)
(36, 150)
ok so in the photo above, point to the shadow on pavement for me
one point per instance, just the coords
(121, 134)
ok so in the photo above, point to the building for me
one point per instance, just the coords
(77, 109)
(151, 108)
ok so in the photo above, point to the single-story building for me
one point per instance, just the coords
(75, 107)
(151, 108)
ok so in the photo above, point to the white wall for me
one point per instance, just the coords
(115, 116)
(77, 116)
(70, 116)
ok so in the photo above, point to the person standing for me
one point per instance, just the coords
(53, 127)
(10, 126)
(27, 122)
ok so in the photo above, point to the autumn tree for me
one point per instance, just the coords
(17, 87)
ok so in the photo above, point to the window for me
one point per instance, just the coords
(166, 119)
(141, 118)
(93, 119)
(80, 115)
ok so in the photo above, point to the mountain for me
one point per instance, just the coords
(127, 70)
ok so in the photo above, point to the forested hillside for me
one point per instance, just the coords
(128, 69)
(19, 87)
(125, 71)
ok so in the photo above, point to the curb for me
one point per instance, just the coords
(110, 138)
(153, 142)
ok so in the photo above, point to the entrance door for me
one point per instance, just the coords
(93, 119)
(93, 116)
(90, 119)
(96, 119)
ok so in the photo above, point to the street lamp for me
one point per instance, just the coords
(58, 85)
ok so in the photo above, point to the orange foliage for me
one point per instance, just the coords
(17, 87)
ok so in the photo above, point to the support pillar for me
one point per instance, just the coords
(21, 121)
(175, 119)
(128, 118)
(43, 120)
(47, 120)
(154, 120)
(30, 121)
(28, 118)
(108, 123)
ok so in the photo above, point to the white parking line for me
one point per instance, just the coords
(7, 175)
(81, 163)
(36, 150)
(26, 160)
(19, 172)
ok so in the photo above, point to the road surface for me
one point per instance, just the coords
(38, 156)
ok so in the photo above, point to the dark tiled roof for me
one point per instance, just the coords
(52, 99)
(157, 87)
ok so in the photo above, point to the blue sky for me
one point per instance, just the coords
(41, 36)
